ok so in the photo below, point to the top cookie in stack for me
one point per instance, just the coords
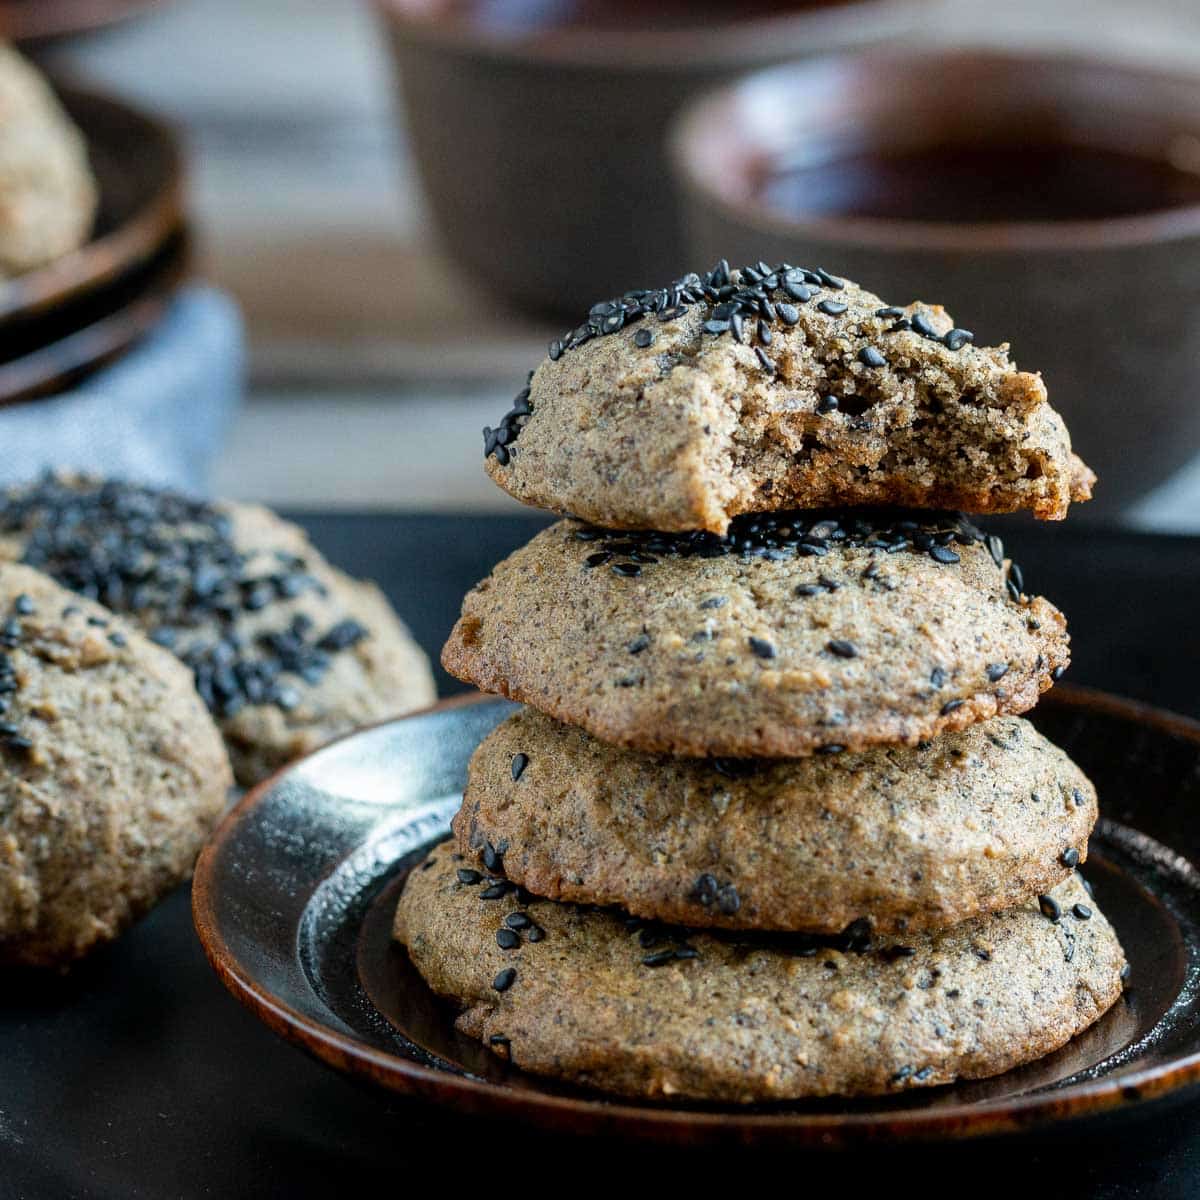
(775, 711)
(774, 388)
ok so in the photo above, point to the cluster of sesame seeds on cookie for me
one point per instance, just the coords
(788, 535)
(747, 304)
(172, 561)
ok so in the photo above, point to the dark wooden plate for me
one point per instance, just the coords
(139, 168)
(294, 895)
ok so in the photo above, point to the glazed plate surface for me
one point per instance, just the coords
(294, 897)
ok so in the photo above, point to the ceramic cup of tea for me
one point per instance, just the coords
(1050, 202)
(538, 126)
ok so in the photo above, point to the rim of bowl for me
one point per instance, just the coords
(751, 41)
(720, 115)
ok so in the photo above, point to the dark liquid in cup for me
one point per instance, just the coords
(522, 17)
(983, 184)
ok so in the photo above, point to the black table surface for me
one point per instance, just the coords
(139, 1076)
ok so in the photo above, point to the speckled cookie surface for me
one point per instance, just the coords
(908, 838)
(47, 194)
(602, 1002)
(112, 772)
(766, 391)
(797, 633)
(286, 650)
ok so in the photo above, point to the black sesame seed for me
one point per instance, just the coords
(640, 643)
(956, 339)
(643, 338)
(627, 570)
(507, 939)
(659, 958)
(519, 763)
(1082, 912)
(842, 648)
(831, 748)
(598, 559)
(492, 858)
(761, 648)
(495, 891)
(1069, 857)
(789, 314)
(765, 360)
(950, 706)
(1126, 971)
(823, 276)
(943, 554)
(996, 671)
(1050, 908)
(118, 639)
(870, 357)
(832, 308)
(518, 920)
(24, 605)
(1058, 673)
(468, 876)
(505, 979)
(827, 404)
(890, 311)
(1079, 798)
(535, 933)
(921, 325)
(856, 937)
(728, 900)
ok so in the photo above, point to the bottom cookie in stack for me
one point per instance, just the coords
(891, 918)
(591, 996)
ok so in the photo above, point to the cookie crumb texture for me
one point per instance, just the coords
(847, 401)
(908, 838)
(794, 635)
(596, 1002)
(286, 650)
(112, 772)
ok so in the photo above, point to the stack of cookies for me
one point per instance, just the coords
(772, 825)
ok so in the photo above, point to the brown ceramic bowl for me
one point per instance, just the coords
(294, 897)
(542, 148)
(41, 20)
(1080, 184)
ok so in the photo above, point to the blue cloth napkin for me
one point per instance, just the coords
(159, 414)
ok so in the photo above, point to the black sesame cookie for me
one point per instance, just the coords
(286, 650)
(907, 838)
(586, 995)
(771, 388)
(796, 633)
(112, 772)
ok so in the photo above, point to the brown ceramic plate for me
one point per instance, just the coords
(84, 336)
(139, 168)
(294, 896)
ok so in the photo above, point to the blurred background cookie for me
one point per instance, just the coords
(287, 651)
(112, 773)
(47, 193)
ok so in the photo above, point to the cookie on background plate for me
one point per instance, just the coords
(907, 838)
(797, 633)
(771, 388)
(48, 196)
(287, 651)
(606, 1002)
(112, 772)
